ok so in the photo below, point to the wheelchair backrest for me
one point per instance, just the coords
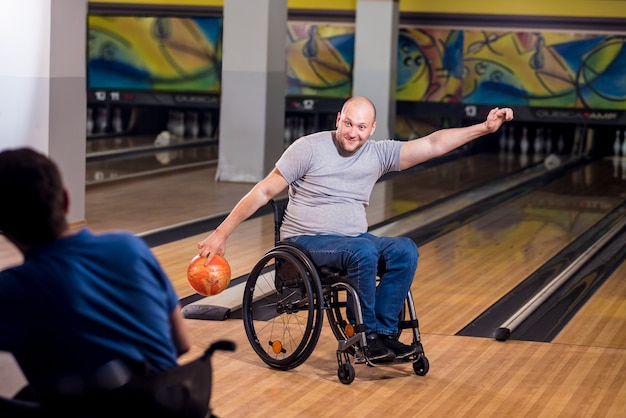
(279, 213)
(183, 391)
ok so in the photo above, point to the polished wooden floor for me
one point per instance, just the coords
(581, 373)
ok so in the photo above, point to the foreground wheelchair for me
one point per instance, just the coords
(284, 302)
(124, 390)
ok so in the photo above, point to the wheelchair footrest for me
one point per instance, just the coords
(409, 359)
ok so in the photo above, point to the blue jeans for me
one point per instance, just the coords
(393, 259)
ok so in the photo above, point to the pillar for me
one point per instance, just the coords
(375, 60)
(42, 79)
(43, 106)
(252, 109)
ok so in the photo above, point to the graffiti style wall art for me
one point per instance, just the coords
(429, 65)
(545, 69)
(319, 59)
(154, 53)
(435, 65)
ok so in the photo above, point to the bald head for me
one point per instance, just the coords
(360, 104)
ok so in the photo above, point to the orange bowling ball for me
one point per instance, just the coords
(208, 280)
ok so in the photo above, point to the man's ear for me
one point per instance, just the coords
(373, 128)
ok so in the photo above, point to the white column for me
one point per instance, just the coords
(375, 60)
(42, 79)
(43, 106)
(252, 109)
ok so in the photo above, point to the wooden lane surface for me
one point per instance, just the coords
(469, 269)
(602, 320)
(468, 377)
(144, 204)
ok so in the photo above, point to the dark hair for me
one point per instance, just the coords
(33, 197)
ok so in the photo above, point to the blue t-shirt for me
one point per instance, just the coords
(79, 302)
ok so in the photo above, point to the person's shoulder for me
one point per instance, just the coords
(313, 140)
(316, 136)
(383, 143)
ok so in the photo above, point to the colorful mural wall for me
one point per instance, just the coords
(319, 59)
(544, 69)
(154, 53)
(537, 69)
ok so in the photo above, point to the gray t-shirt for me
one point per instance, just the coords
(328, 193)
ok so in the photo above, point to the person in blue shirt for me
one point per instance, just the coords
(81, 303)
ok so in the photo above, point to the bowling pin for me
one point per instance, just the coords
(207, 124)
(89, 121)
(538, 142)
(102, 119)
(549, 141)
(180, 125)
(117, 120)
(561, 144)
(511, 141)
(502, 141)
(524, 142)
(192, 125)
(538, 145)
(624, 145)
(616, 144)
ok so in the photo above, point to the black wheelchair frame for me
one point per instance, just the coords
(283, 304)
(126, 390)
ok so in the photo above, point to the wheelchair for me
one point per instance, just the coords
(284, 302)
(121, 389)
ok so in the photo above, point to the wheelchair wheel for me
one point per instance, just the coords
(346, 373)
(421, 366)
(282, 308)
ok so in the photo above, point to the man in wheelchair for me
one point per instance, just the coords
(330, 176)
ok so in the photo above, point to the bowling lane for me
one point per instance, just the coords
(131, 156)
(396, 195)
(418, 187)
(467, 270)
(601, 322)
